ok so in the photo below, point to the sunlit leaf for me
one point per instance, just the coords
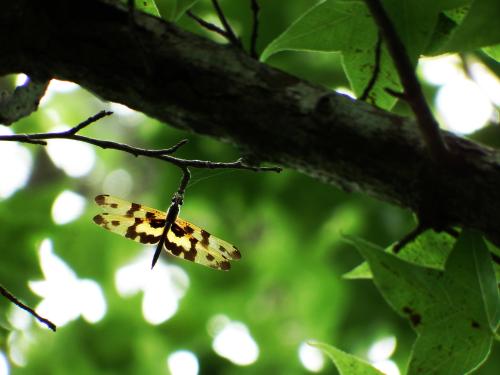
(493, 52)
(180, 7)
(346, 363)
(455, 312)
(479, 27)
(430, 249)
(346, 27)
(146, 6)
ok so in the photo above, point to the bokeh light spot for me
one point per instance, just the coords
(75, 158)
(387, 367)
(62, 87)
(382, 349)
(235, 343)
(21, 79)
(19, 318)
(380, 352)
(487, 81)
(18, 344)
(441, 70)
(345, 91)
(4, 364)
(183, 362)
(118, 182)
(311, 358)
(16, 167)
(68, 206)
(163, 287)
(65, 297)
(463, 106)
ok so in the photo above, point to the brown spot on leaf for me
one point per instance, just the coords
(475, 324)
(414, 317)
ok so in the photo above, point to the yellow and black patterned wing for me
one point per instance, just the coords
(207, 241)
(117, 206)
(145, 225)
(131, 220)
(192, 243)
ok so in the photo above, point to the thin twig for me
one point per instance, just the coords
(207, 25)
(255, 28)
(89, 121)
(231, 36)
(429, 128)
(162, 154)
(376, 69)
(4, 292)
(171, 150)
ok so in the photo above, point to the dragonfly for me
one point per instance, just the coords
(146, 225)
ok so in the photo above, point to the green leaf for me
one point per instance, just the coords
(359, 65)
(430, 249)
(147, 6)
(344, 26)
(346, 363)
(179, 7)
(479, 27)
(455, 312)
(493, 52)
(328, 26)
(347, 27)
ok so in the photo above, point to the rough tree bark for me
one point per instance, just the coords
(200, 86)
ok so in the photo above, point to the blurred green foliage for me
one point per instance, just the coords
(288, 287)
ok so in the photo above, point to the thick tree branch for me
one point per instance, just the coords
(23, 101)
(216, 90)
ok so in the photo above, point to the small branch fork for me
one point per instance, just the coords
(227, 31)
(4, 292)
(161, 154)
(427, 124)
